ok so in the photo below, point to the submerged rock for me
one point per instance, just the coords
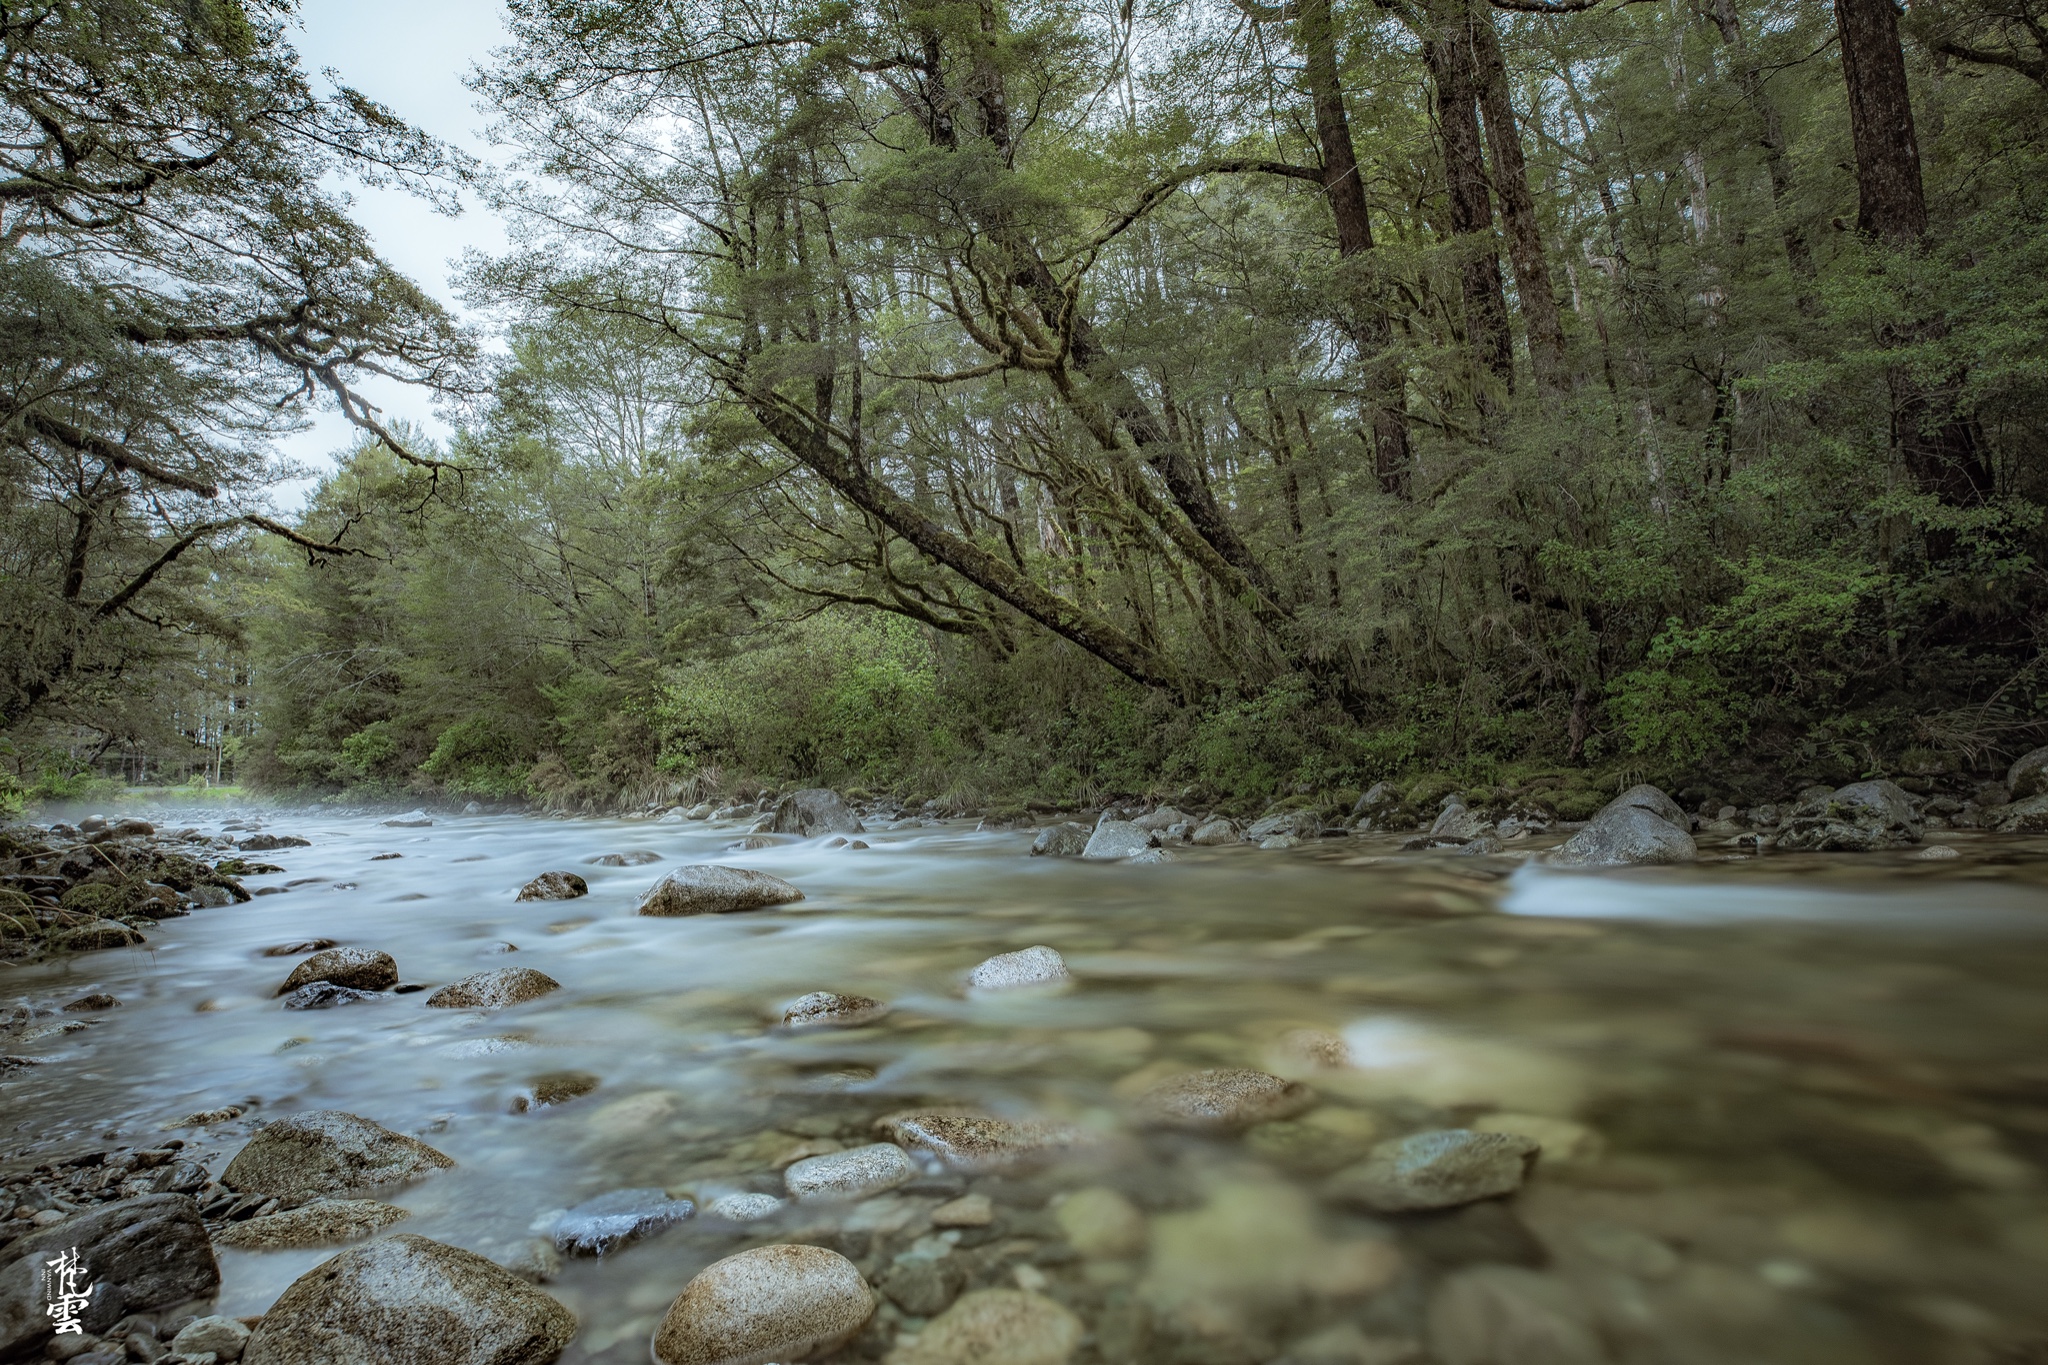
(1223, 1100)
(412, 819)
(1625, 836)
(361, 969)
(853, 1174)
(494, 989)
(96, 934)
(1064, 840)
(774, 1303)
(1214, 834)
(1037, 966)
(1436, 1170)
(1118, 839)
(269, 843)
(606, 1223)
(1857, 818)
(743, 1207)
(328, 1152)
(325, 995)
(143, 1253)
(632, 857)
(1506, 1315)
(977, 1144)
(322, 1223)
(816, 810)
(406, 1298)
(709, 889)
(554, 886)
(1101, 1224)
(995, 1327)
(829, 1008)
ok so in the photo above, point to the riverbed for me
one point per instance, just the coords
(1793, 1108)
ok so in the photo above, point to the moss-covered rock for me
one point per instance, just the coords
(107, 900)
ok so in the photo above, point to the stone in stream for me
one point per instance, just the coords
(709, 889)
(1625, 836)
(412, 819)
(1117, 839)
(977, 1144)
(1506, 1315)
(1214, 834)
(2028, 775)
(852, 1174)
(816, 810)
(322, 1223)
(609, 1221)
(1456, 821)
(1101, 1224)
(743, 1207)
(922, 1285)
(1303, 825)
(1858, 818)
(310, 945)
(325, 995)
(554, 886)
(96, 934)
(551, 1088)
(773, 1303)
(995, 1327)
(494, 989)
(361, 969)
(1643, 796)
(270, 843)
(2024, 817)
(1065, 840)
(1037, 966)
(1223, 1100)
(92, 1004)
(406, 1298)
(327, 1152)
(827, 1007)
(1160, 820)
(968, 1211)
(632, 857)
(141, 1254)
(221, 1337)
(1436, 1170)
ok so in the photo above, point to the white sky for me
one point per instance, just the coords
(410, 55)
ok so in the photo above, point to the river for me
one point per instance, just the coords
(1794, 1109)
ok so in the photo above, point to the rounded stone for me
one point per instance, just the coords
(1223, 1100)
(328, 1152)
(494, 989)
(322, 1223)
(554, 886)
(224, 1337)
(1027, 967)
(361, 969)
(743, 1208)
(827, 1007)
(1101, 1224)
(853, 1174)
(774, 1303)
(609, 1221)
(1436, 1170)
(708, 889)
(978, 1144)
(1118, 839)
(995, 1327)
(406, 1298)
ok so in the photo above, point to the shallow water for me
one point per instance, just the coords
(1810, 1093)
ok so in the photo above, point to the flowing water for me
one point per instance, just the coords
(1795, 1109)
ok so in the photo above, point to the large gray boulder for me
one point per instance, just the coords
(494, 989)
(328, 1153)
(407, 1298)
(2024, 817)
(785, 1302)
(139, 1254)
(1301, 824)
(1858, 818)
(1064, 840)
(708, 889)
(1643, 796)
(1165, 818)
(1457, 821)
(1625, 836)
(1118, 839)
(816, 810)
(2028, 775)
(360, 969)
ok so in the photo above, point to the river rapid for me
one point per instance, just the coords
(1793, 1108)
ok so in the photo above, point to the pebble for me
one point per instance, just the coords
(968, 1211)
(494, 989)
(826, 1007)
(328, 1152)
(852, 1174)
(322, 1223)
(1223, 1100)
(224, 1337)
(554, 886)
(920, 1285)
(708, 889)
(1436, 1170)
(1506, 1315)
(1101, 1223)
(995, 1327)
(773, 1303)
(609, 1221)
(978, 1144)
(743, 1208)
(362, 969)
(1028, 967)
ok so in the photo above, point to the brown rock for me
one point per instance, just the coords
(554, 886)
(708, 889)
(774, 1303)
(360, 969)
(1223, 1100)
(328, 1152)
(494, 989)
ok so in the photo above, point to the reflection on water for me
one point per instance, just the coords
(1792, 1110)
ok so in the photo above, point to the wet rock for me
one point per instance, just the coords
(1436, 1170)
(968, 1211)
(1223, 1100)
(1101, 1224)
(1037, 966)
(743, 1208)
(1065, 840)
(143, 1253)
(633, 857)
(1302, 825)
(223, 1337)
(1326, 1141)
(92, 1004)
(1149, 856)
(921, 1286)
(1643, 796)
(535, 1261)
(853, 1174)
(1857, 818)
(1504, 1315)
(1625, 836)
(267, 843)
(1487, 1232)
(310, 945)
(995, 1327)
(328, 1152)
(494, 989)
(412, 819)
(2023, 817)
(829, 1008)
(405, 1298)
(362, 969)
(551, 1088)
(977, 1144)
(771, 1303)
(1935, 853)
(1160, 820)
(1455, 821)
(1562, 1140)
(1117, 839)
(325, 995)
(708, 889)
(1214, 834)
(606, 1223)
(1274, 842)
(96, 934)
(814, 811)
(2028, 775)
(322, 1223)
(554, 886)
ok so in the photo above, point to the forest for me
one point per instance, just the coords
(1028, 402)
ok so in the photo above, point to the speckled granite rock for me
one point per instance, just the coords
(494, 989)
(328, 1152)
(1436, 1170)
(707, 889)
(1223, 1100)
(322, 1223)
(774, 1303)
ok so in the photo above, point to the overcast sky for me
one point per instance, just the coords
(410, 55)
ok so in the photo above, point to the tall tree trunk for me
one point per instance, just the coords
(1448, 52)
(1772, 138)
(1518, 207)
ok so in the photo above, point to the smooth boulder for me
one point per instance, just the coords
(1064, 840)
(554, 886)
(1436, 1170)
(830, 1008)
(773, 1303)
(140, 1254)
(494, 989)
(2028, 775)
(1223, 1100)
(853, 1174)
(359, 969)
(1625, 836)
(1117, 839)
(328, 1153)
(816, 810)
(1214, 834)
(1034, 967)
(708, 889)
(1859, 818)
(996, 1327)
(609, 1221)
(1643, 796)
(322, 1223)
(407, 1298)
(978, 1144)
